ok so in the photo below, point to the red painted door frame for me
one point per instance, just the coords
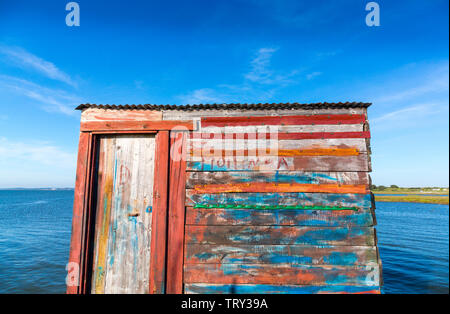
(169, 181)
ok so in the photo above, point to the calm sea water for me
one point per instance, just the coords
(35, 235)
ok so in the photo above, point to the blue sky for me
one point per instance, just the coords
(179, 52)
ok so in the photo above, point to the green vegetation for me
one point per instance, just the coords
(394, 189)
(428, 195)
(427, 199)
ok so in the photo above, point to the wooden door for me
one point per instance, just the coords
(123, 213)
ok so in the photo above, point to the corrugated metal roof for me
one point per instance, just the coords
(233, 106)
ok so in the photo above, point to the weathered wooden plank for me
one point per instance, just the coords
(273, 163)
(276, 254)
(278, 135)
(175, 241)
(278, 188)
(183, 114)
(284, 129)
(364, 236)
(212, 145)
(125, 192)
(282, 217)
(283, 120)
(96, 114)
(104, 199)
(300, 177)
(266, 199)
(277, 152)
(199, 288)
(288, 274)
(79, 208)
(135, 125)
(159, 222)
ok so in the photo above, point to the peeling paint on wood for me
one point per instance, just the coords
(276, 254)
(300, 177)
(302, 199)
(284, 120)
(267, 134)
(95, 114)
(123, 227)
(287, 274)
(275, 163)
(278, 188)
(245, 213)
(199, 288)
(281, 217)
(364, 236)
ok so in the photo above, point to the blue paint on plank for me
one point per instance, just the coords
(299, 198)
(283, 289)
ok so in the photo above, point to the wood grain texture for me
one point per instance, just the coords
(361, 236)
(265, 199)
(279, 135)
(78, 210)
(284, 120)
(276, 254)
(177, 183)
(256, 187)
(288, 274)
(304, 163)
(320, 151)
(159, 221)
(280, 217)
(212, 145)
(199, 288)
(300, 177)
(182, 114)
(134, 125)
(263, 130)
(95, 114)
(123, 236)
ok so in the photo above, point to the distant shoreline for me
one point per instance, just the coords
(424, 199)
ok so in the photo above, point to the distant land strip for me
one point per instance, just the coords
(425, 199)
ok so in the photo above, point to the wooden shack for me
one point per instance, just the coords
(224, 198)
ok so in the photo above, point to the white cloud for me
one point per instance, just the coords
(53, 100)
(428, 82)
(27, 60)
(41, 153)
(35, 164)
(418, 110)
(259, 85)
(312, 75)
(203, 96)
(261, 71)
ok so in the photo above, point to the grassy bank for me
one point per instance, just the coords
(413, 199)
(399, 190)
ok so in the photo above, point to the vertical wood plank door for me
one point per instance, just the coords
(123, 223)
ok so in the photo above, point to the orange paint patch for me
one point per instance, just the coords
(279, 187)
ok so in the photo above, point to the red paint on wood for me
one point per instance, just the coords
(76, 241)
(135, 125)
(279, 274)
(86, 262)
(159, 212)
(177, 183)
(319, 151)
(281, 135)
(284, 120)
